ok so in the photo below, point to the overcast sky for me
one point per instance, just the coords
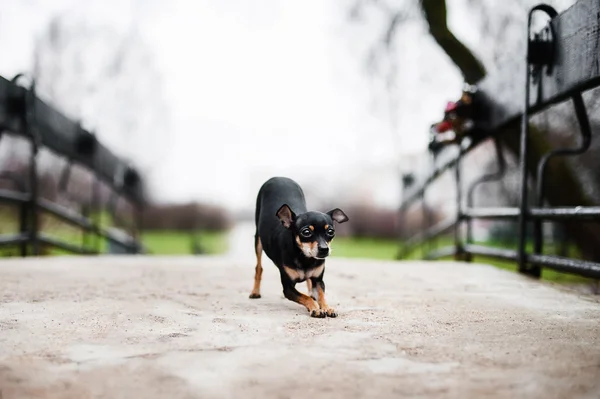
(267, 87)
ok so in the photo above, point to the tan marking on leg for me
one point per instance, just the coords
(311, 305)
(308, 302)
(257, 271)
(309, 286)
(323, 303)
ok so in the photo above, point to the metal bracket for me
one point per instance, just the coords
(30, 127)
(541, 49)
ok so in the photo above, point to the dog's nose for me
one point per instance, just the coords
(323, 252)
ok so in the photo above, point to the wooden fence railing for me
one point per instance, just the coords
(23, 114)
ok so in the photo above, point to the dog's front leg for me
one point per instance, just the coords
(318, 292)
(310, 304)
(291, 293)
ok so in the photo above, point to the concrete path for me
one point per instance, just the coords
(184, 328)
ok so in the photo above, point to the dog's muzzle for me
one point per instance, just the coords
(322, 252)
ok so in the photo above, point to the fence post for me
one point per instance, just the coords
(424, 223)
(96, 211)
(33, 207)
(401, 238)
(139, 225)
(23, 226)
(33, 210)
(521, 254)
(459, 253)
(537, 61)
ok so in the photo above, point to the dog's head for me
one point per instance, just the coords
(313, 231)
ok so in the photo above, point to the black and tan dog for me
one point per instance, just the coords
(296, 240)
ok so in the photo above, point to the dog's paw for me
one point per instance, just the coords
(254, 295)
(320, 313)
(331, 312)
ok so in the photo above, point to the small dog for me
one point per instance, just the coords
(296, 240)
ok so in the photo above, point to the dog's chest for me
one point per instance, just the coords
(299, 275)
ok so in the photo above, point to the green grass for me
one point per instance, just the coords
(547, 274)
(180, 243)
(352, 247)
(157, 242)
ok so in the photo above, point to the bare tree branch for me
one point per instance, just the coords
(435, 14)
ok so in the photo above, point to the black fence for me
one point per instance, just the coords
(24, 115)
(561, 62)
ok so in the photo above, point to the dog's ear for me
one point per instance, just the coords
(286, 215)
(338, 215)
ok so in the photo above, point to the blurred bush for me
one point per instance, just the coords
(186, 217)
(182, 217)
(374, 222)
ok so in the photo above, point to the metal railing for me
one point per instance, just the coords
(24, 115)
(558, 64)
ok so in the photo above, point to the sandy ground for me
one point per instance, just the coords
(142, 327)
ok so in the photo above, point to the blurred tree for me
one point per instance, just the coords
(570, 182)
(109, 81)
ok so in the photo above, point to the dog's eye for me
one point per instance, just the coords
(305, 233)
(330, 232)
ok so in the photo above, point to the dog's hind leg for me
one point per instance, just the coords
(258, 270)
